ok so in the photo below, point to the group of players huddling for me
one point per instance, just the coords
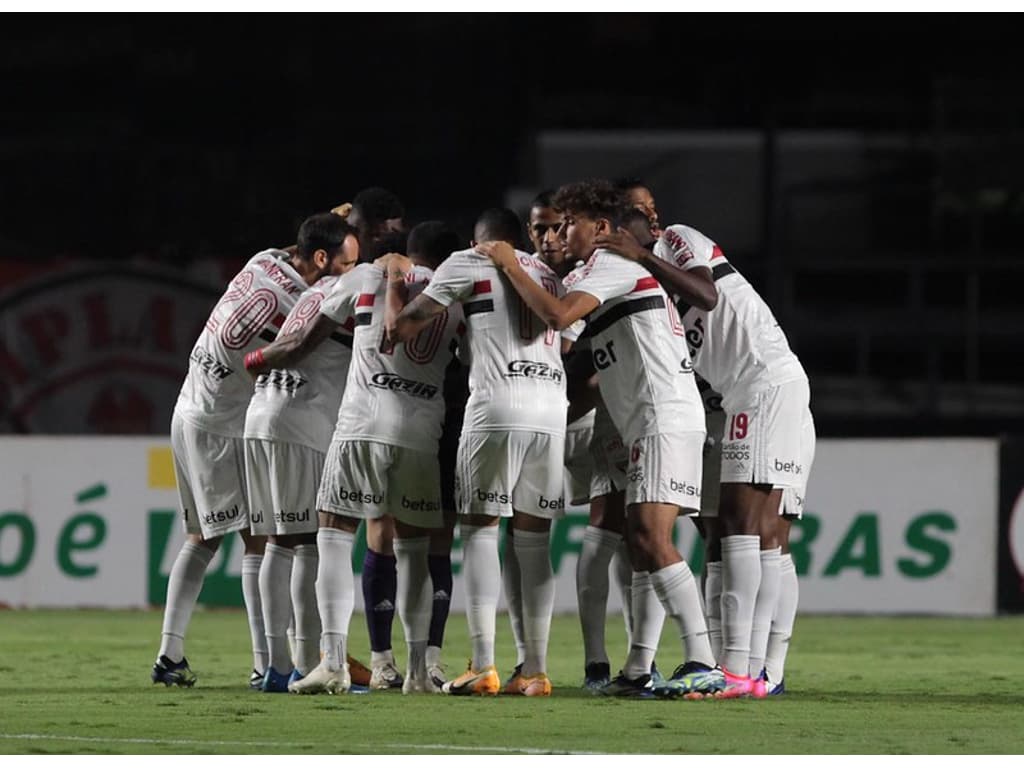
(624, 364)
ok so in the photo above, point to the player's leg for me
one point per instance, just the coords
(380, 589)
(203, 487)
(439, 559)
(789, 588)
(348, 465)
(252, 560)
(512, 586)
(767, 599)
(785, 616)
(483, 493)
(414, 499)
(266, 472)
(601, 541)
(655, 496)
(439, 562)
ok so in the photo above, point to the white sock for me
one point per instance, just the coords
(183, 587)
(275, 595)
(648, 619)
(785, 617)
(512, 582)
(415, 597)
(433, 655)
(741, 578)
(678, 593)
(624, 576)
(254, 608)
(596, 554)
(307, 616)
(713, 606)
(533, 550)
(335, 592)
(481, 570)
(764, 608)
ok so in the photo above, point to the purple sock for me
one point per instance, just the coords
(441, 578)
(380, 590)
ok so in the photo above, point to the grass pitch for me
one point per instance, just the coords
(78, 682)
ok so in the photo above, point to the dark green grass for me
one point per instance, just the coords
(78, 682)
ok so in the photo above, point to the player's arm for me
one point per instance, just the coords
(287, 351)
(694, 286)
(396, 295)
(557, 313)
(412, 317)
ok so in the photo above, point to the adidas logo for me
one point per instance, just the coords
(384, 605)
(442, 595)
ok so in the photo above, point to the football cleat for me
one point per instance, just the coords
(625, 688)
(736, 686)
(323, 680)
(358, 672)
(484, 682)
(596, 676)
(295, 676)
(437, 676)
(385, 676)
(517, 671)
(777, 689)
(275, 682)
(537, 685)
(256, 680)
(170, 673)
(691, 680)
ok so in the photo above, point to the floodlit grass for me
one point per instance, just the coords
(78, 682)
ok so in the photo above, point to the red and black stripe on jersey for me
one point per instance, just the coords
(476, 306)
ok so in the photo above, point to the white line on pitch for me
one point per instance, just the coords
(217, 743)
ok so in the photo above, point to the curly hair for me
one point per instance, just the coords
(595, 199)
(376, 205)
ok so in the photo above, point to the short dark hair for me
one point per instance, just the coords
(376, 205)
(498, 224)
(390, 242)
(433, 241)
(543, 199)
(595, 199)
(634, 216)
(323, 230)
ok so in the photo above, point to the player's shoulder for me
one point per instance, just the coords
(419, 275)
(684, 243)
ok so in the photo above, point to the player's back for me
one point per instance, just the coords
(394, 393)
(516, 378)
(300, 404)
(738, 346)
(644, 369)
(217, 389)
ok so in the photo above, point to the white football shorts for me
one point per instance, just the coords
(764, 441)
(666, 469)
(579, 464)
(210, 470)
(498, 472)
(282, 480)
(368, 480)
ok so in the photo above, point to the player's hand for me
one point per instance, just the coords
(342, 210)
(623, 243)
(395, 265)
(501, 253)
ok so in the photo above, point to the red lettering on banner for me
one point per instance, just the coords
(45, 328)
(97, 319)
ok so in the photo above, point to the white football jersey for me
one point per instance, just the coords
(643, 366)
(217, 388)
(394, 394)
(300, 404)
(738, 346)
(516, 380)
